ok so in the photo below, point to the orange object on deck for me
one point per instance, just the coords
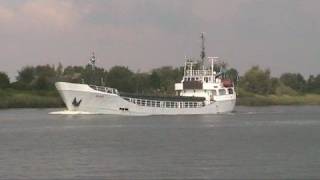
(227, 83)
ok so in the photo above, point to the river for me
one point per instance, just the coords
(254, 142)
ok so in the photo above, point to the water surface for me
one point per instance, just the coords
(267, 142)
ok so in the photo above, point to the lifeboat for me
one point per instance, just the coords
(227, 83)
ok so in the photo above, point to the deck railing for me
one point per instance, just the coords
(198, 73)
(165, 104)
(104, 89)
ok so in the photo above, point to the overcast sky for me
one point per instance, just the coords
(282, 35)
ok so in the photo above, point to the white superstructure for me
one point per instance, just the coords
(201, 91)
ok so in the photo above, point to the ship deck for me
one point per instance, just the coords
(162, 98)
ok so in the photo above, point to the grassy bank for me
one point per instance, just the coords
(29, 99)
(259, 100)
(51, 99)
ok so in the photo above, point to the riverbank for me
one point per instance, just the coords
(268, 100)
(51, 99)
(29, 99)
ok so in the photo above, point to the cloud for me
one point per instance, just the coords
(39, 14)
(216, 11)
(57, 13)
(143, 34)
(6, 15)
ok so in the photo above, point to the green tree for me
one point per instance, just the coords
(45, 77)
(257, 81)
(42, 83)
(282, 89)
(26, 74)
(154, 80)
(233, 75)
(168, 77)
(45, 70)
(70, 70)
(93, 76)
(142, 83)
(121, 78)
(4, 80)
(294, 81)
(73, 74)
(313, 84)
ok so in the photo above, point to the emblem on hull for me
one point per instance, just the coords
(76, 103)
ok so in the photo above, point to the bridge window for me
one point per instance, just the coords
(214, 92)
(222, 92)
(230, 91)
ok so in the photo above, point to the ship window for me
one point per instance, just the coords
(230, 91)
(222, 92)
(214, 92)
(197, 78)
(124, 109)
(192, 79)
(158, 103)
(185, 79)
(148, 103)
(206, 79)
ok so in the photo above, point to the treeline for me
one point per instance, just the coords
(42, 78)
(259, 81)
(157, 81)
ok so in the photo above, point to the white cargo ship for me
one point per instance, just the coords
(202, 90)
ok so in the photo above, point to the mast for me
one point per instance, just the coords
(203, 53)
(92, 61)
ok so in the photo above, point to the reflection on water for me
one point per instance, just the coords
(266, 142)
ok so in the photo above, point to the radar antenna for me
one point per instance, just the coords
(92, 61)
(203, 53)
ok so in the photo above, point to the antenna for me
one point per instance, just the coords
(203, 53)
(92, 61)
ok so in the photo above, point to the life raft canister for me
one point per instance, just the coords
(227, 83)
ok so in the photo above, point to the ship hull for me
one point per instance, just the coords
(82, 98)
